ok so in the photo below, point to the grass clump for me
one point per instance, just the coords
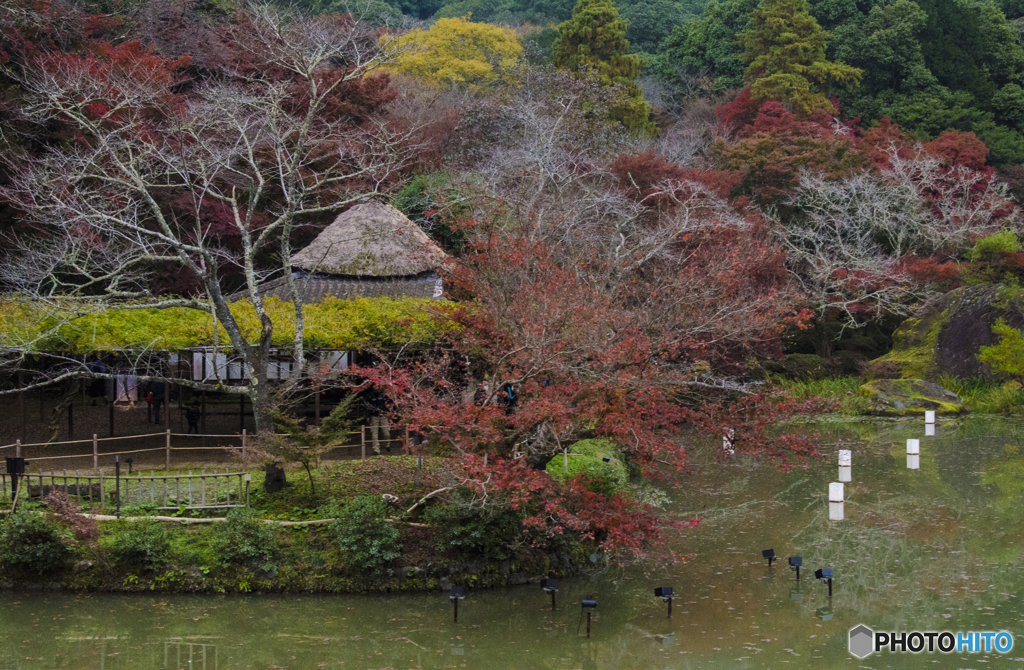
(983, 397)
(244, 540)
(842, 390)
(138, 544)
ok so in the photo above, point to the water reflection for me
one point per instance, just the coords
(934, 548)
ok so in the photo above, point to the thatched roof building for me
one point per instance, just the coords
(371, 250)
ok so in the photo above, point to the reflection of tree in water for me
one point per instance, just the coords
(882, 564)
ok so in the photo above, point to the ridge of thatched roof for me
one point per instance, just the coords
(371, 240)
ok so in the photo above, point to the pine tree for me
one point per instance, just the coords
(785, 49)
(595, 39)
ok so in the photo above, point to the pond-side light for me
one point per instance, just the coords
(913, 446)
(825, 575)
(913, 462)
(606, 459)
(458, 593)
(770, 555)
(589, 605)
(845, 465)
(794, 564)
(929, 417)
(665, 593)
(929, 430)
(836, 505)
(550, 586)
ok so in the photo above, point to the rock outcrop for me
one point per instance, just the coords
(946, 333)
(906, 397)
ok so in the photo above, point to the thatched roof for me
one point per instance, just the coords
(371, 240)
(315, 288)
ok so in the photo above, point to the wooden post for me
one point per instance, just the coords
(203, 425)
(241, 412)
(95, 452)
(71, 419)
(103, 493)
(21, 405)
(167, 450)
(167, 406)
(110, 406)
(362, 440)
(17, 448)
(567, 460)
(243, 444)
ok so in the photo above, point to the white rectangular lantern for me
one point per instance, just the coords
(913, 446)
(929, 416)
(929, 430)
(913, 462)
(835, 491)
(845, 457)
(845, 473)
(836, 511)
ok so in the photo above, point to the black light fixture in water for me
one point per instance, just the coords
(825, 575)
(770, 555)
(589, 605)
(458, 593)
(665, 593)
(794, 564)
(550, 586)
(606, 459)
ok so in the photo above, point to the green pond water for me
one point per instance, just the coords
(939, 548)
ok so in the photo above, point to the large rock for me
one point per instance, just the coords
(905, 397)
(947, 332)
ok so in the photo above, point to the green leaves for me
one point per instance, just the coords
(785, 51)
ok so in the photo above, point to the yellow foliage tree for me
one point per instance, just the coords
(458, 53)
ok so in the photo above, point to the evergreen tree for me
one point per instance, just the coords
(785, 52)
(594, 39)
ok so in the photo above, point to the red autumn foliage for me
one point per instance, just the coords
(929, 270)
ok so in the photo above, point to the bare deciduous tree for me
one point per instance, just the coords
(149, 169)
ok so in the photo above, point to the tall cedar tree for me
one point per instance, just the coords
(595, 39)
(785, 49)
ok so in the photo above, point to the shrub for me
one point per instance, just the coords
(1004, 242)
(32, 546)
(362, 534)
(1006, 357)
(492, 533)
(140, 544)
(587, 459)
(244, 540)
(802, 367)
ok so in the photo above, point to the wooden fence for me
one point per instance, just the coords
(18, 448)
(206, 490)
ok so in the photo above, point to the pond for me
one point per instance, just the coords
(933, 549)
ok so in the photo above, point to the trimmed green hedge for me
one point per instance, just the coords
(586, 458)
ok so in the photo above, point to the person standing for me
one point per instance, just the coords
(376, 408)
(192, 416)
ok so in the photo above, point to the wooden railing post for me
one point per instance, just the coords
(95, 453)
(362, 440)
(17, 448)
(167, 450)
(243, 443)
